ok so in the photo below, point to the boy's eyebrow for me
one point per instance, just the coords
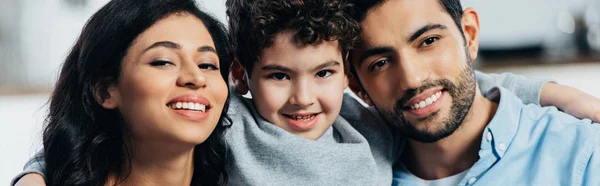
(276, 67)
(329, 63)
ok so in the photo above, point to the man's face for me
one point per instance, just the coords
(416, 68)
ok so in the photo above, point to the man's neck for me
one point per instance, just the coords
(455, 153)
(159, 164)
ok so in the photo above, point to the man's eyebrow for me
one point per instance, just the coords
(207, 48)
(167, 44)
(276, 67)
(373, 51)
(424, 29)
(329, 63)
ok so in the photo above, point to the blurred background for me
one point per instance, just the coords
(556, 39)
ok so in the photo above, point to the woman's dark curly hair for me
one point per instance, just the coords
(84, 143)
(253, 24)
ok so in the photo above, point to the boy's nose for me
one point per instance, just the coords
(302, 95)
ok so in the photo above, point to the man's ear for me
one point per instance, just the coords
(238, 78)
(107, 95)
(354, 85)
(470, 27)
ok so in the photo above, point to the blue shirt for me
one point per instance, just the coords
(530, 145)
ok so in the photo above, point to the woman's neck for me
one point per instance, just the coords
(159, 164)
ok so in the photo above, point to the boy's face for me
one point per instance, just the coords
(299, 88)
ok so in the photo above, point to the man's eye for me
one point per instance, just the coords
(279, 76)
(378, 65)
(161, 63)
(429, 41)
(324, 73)
(208, 66)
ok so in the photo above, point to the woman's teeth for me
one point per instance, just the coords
(188, 106)
(427, 102)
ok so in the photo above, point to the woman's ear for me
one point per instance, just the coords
(238, 78)
(107, 95)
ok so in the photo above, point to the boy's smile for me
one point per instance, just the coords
(302, 122)
(299, 87)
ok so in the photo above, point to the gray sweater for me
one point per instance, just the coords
(359, 149)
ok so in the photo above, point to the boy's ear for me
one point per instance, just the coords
(238, 78)
(354, 85)
(107, 95)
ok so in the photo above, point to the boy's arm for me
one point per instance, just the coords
(544, 93)
(33, 172)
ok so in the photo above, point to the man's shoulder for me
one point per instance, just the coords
(554, 118)
(550, 126)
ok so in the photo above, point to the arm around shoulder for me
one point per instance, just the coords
(528, 89)
(33, 172)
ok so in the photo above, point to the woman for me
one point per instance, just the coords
(141, 98)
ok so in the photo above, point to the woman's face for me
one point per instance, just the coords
(170, 89)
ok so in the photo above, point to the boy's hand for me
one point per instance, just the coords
(571, 101)
(31, 179)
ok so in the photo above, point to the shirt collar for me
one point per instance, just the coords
(501, 130)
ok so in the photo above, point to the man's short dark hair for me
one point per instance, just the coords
(452, 7)
(253, 25)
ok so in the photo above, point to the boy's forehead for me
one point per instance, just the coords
(287, 52)
(285, 49)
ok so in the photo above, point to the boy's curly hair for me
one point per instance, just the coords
(253, 24)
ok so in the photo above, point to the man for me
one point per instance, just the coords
(415, 66)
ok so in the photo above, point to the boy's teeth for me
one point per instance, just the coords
(188, 106)
(428, 101)
(302, 118)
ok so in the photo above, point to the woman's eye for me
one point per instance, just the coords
(378, 65)
(324, 73)
(429, 41)
(208, 66)
(279, 76)
(161, 63)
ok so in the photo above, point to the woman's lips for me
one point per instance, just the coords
(192, 107)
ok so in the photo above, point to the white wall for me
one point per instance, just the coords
(48, 29)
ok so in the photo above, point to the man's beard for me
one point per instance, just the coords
(462, 95)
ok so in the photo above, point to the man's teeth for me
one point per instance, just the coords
(428, 101)
(188, 106)
(302, 118)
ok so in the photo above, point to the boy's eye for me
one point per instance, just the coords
(378, 65)
(324, 73)
(429, 41)
(161, 63)
(279, 76)
(208, 66)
